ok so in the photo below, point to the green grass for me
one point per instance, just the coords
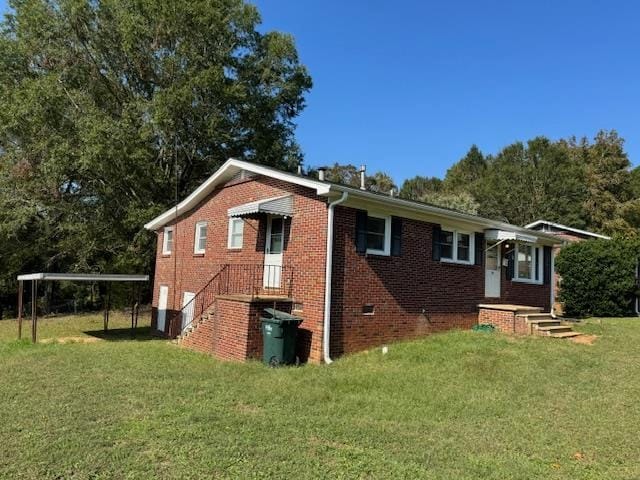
(459, 405)
(81, 326)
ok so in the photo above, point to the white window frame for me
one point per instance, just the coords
(198, 237)
(165, 243)
(472, 246)
(230, 246)
(537, 251)
(387, 235)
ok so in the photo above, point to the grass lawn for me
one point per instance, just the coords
(459, 405)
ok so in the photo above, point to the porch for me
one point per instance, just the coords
(524, 320)
(247, 282)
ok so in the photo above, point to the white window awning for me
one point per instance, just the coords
(500, 235)
(275, 206)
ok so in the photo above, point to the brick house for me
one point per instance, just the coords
(361, 268)
(567, 235)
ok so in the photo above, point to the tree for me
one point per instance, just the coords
(461, 202)
(111, 110)
(609, 182)
(464, 174)
(526, 182)
(344, 174)
(417, 187)
(350, 175)
(380, 182)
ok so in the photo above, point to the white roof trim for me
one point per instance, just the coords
(282, 205)
(567, 228)
(233, 166)
(443, 213)
(225, 173)
(85, 277)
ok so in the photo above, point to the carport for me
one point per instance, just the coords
(35, 278)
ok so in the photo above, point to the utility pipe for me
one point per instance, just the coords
(327, 279)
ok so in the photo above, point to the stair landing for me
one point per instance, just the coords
(524, 320)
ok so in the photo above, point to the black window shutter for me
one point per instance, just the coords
(361, 232)
(511, 263)
(547, 265)
(536, 264)
(396, 236)
(437, 248)
(479, 242)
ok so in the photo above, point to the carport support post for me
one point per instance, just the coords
(34, 310)
(107, 308)
(134, 322)
(20, 295)
(138, 291)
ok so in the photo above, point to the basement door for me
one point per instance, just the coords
(187, 313)
(273, 252)
(492, 270)
(163, 295)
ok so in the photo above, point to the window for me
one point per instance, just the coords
(456, 246)
(236, 233)
(528, 264)
(464, 245)
(167, 241)
(275, 234)
(378, 235)
(200, 242)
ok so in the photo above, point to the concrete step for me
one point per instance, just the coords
(564, 334)
(553, 329)
(545, 322)
(538, 316)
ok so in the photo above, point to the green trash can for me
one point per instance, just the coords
(279, 332)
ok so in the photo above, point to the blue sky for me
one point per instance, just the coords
(408, 86)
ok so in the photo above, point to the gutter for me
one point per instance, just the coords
(326, 335)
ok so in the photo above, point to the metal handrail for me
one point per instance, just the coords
(238, 279)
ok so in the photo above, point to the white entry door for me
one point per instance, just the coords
(187, 313)
(492, 271)
(163, 295)
(273, 252)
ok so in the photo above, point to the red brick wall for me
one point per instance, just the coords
(413, 295)
(304, 251)
(504, 321)
(233, 331)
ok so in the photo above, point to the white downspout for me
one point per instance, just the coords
(326, 335)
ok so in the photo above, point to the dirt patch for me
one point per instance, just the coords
(71, 340)
(585, 339)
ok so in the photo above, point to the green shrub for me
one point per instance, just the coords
(598, 277)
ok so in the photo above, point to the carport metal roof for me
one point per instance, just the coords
(34, 278)
(85, 277)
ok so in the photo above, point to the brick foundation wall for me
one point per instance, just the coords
(233, 331)
(504, 321)
(304, 251)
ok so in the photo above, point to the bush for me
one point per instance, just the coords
(598, 278)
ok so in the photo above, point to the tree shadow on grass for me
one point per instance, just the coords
(140, 334)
